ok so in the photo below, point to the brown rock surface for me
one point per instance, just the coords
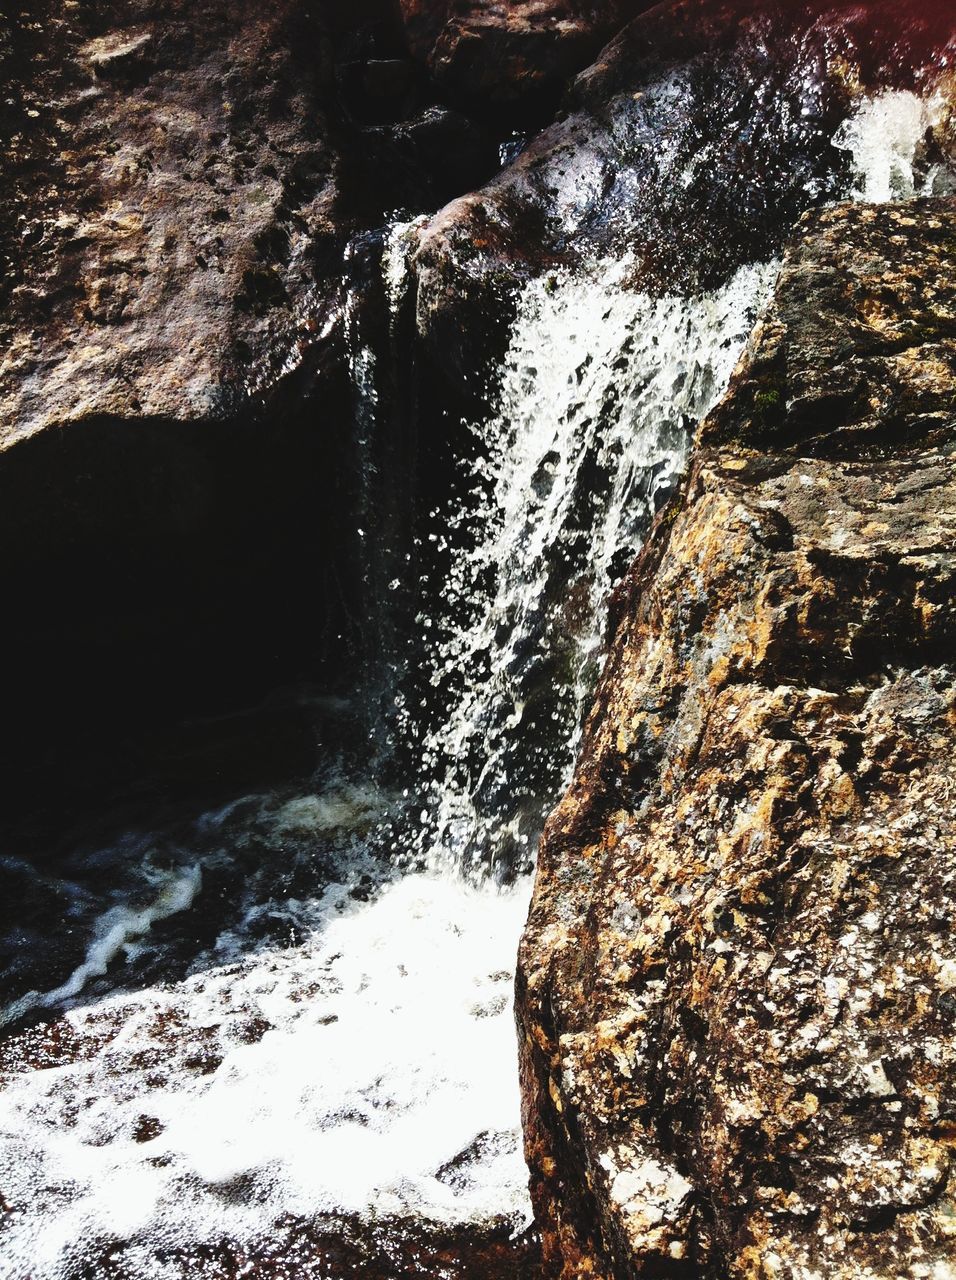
(737, 987)
(170, 182)
(171, 193)
(179, 182)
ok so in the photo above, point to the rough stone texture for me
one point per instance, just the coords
(693, 142)
(170, 195)
(188, 183)
(178, 189)
(509, 53)
(737, 987)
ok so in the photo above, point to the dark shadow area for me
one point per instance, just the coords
(155, 572)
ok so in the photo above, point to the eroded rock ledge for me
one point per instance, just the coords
(737, 986)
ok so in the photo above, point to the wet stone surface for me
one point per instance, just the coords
(736, 986)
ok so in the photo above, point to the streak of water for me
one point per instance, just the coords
(600, 389)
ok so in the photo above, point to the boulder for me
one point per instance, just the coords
(178, 456)
(172, 184)
(171, 202)
(737, 986)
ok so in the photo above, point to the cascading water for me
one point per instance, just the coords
(599, 388)
(893, 142)
(338, 1047)
(341, 1051)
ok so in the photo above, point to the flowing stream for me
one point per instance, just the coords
(339, 1045)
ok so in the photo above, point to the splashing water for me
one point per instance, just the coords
(342, 1053)
(366, 1072)
(898, 147)
(600, 389)
(118, 930)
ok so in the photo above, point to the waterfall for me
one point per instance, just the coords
(895, 144)
(343, 1049)
(599, 390)
(334, 1043)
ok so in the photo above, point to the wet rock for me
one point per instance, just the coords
(693, 142)
(346, 1249)
(859, 360)
(735, 987)
(509, 54)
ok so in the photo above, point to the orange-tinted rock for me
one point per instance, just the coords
(736, 987)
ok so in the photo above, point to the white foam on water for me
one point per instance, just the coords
(350, 806)
(888, 137)
(368, 1071)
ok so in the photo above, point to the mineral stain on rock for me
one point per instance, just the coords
(735, 991)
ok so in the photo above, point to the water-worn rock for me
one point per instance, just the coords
(737, 987)
(693, 142)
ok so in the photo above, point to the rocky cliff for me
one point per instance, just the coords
(192, 220)
(171, 195)
(737, 988)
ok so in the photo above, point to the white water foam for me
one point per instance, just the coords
(899, 146)
(601, 388)
(367, 1071)
(397, 253)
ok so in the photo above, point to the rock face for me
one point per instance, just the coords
(509, 54)
(177, 447)
(737, 987)
(171, 192)
(693, 142)
(189, 183)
